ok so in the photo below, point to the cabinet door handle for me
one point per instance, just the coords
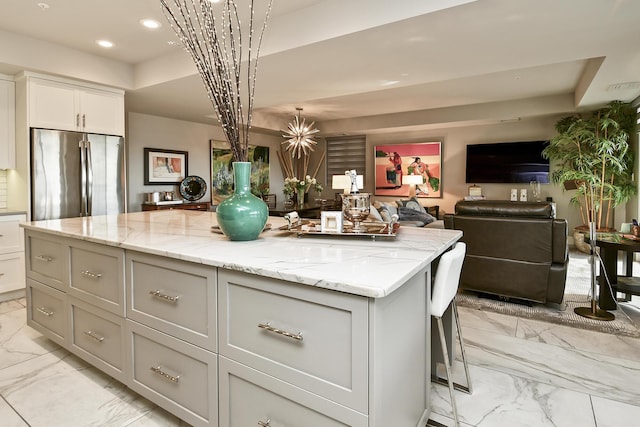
(158, 370)
(91, 275)
(78, 120)
(267, 327)
(84, 121)
(43, 258)
(265, 423)
(93, 336)
(157, 293)
(44, 311)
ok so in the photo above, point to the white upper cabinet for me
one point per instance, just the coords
(7, 124)
(65, 106)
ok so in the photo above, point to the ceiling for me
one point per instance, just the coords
(356, 65)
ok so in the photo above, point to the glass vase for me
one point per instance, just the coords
(242, 216)
(301, 193)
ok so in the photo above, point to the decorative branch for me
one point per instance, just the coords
(214, 40)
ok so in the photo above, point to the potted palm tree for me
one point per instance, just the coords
(591, 154)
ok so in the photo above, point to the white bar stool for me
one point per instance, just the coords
(443, 294)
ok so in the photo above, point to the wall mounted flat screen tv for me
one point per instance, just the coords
(507, 162)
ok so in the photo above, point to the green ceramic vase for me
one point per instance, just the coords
(242, 216)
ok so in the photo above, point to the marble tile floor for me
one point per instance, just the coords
(524, 373)
(42, 384)
(531, 373)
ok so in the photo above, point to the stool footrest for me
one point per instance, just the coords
(443, 381)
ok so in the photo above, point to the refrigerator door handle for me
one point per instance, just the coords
(89, 165)
(83, 179)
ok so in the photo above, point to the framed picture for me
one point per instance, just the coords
(164, 166)
(397, 161)
(331, 221)
(222, 170)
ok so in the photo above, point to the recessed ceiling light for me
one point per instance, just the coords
(214, 1)
(150, 23)
(105, 43)
(43, 6)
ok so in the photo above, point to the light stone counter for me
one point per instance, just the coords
(360, 266)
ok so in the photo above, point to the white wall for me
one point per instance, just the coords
(159, 132)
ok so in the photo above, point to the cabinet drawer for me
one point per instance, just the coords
(47, 260)
(174, 296)
(174, 374)
(11, 239)
(11, 272)
(313, 338)
(47, 311)
(97, 336)
(249, 397)
(97, 276)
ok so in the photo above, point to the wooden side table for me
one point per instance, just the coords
(609, 245)
(192, 206)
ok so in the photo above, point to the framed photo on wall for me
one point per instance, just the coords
(394, 162)
(165, 166)
(222, 170)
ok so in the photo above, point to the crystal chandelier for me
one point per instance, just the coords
(300, 136)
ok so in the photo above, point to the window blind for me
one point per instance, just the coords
(346, 153)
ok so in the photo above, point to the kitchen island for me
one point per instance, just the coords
(283, 330)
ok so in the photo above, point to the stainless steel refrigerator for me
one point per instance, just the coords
(76, 174)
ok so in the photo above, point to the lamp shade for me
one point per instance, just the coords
(343, 182)
(412, 179)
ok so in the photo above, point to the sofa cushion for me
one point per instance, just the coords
(410, 214)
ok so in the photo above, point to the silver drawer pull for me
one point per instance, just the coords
(165, 297)
(92, 335)
(45, 311)
(158, 370)
(265, 423)
(90, 274)
(43, 258)
(267, 327)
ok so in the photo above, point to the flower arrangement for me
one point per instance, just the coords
(294, 185)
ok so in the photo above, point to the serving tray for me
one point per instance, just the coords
(374, 230)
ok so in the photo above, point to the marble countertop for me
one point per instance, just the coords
(356, 265)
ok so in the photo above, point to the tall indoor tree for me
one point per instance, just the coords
(591, 153)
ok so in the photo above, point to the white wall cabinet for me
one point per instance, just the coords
(61, 105)
(7, 123)
(12, 278)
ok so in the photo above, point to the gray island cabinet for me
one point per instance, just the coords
(281, 331)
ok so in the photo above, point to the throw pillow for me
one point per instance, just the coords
(374, 215)
(408, 214)
(387, 210)
(412, 203)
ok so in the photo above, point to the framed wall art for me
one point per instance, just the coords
(164, 166)
(395, 161)
(222, 170)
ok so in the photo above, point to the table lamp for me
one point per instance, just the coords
(343, 182)
(412, 181)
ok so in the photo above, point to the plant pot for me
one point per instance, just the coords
(242, 216)
(578, 241)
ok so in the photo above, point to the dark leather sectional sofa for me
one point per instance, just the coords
(514, 249)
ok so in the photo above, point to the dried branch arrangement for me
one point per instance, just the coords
(213, 35)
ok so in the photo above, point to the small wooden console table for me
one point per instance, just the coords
(193, 206)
